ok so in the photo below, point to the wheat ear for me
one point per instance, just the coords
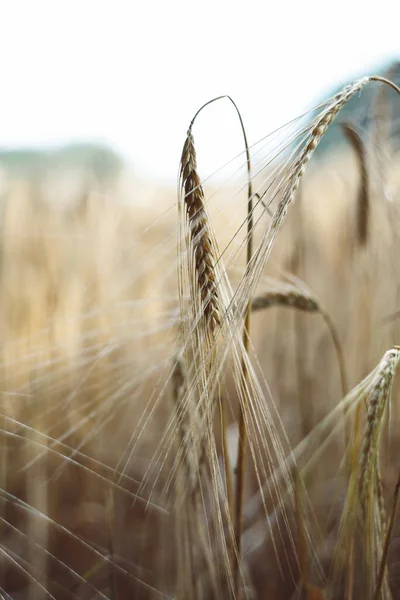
(299, 167)
(369, 479)
(377, 402)
(363, 201)
(292, 298)
(203, 248)
(388, 538)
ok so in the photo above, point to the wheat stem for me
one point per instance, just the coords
(243, 406)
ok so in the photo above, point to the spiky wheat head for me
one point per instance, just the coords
(292, 298)
(377, 401)
(203, 247)
(363, 201)
(317, 133)
(369, 479)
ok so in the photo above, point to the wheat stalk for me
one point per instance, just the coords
(370, 483)
(365, 489)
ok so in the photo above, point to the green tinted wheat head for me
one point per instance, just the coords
(370, 482)
(291, 298)
(365, 486)
(378, 399)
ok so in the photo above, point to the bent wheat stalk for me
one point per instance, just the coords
(288, 192)
(370, 488)
(293, 297)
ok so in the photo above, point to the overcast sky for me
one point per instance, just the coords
(133, 73)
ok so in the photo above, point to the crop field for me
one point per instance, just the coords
(198, 389)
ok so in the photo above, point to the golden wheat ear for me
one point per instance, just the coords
(293, 296)
(203, 248)
(370, 482)
(364, 508)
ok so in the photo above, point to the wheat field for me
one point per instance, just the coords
(187, 415)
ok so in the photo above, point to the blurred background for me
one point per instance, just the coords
(130, 75)
(96, 101)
